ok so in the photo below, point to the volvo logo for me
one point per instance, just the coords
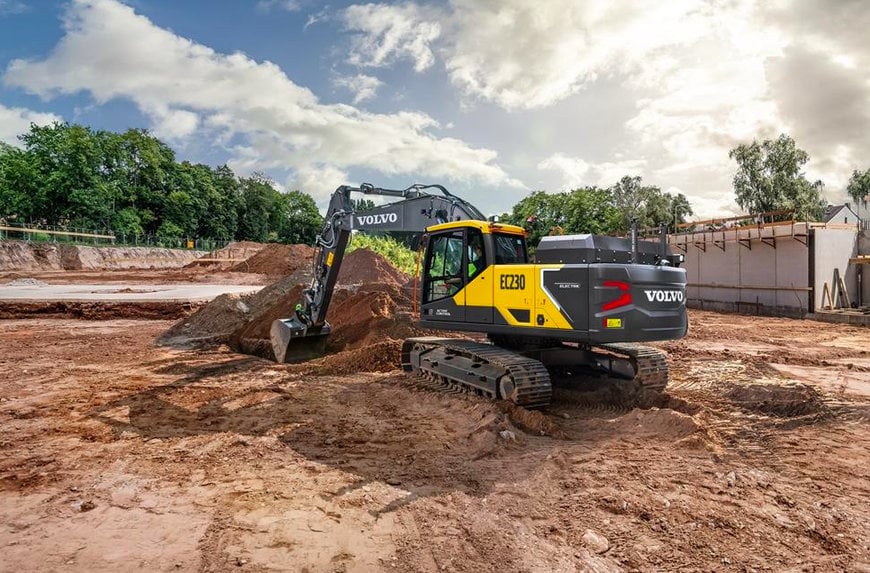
(664, 295)
(378, 219)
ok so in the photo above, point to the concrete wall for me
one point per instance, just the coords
(767, 271)
(832, 249)
(735, 270)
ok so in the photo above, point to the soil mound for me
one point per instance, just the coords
(220, 318)
(370, 315)
(786, 401)
(278, 260)
(369, 319)
(379, 357)
(364, 266)
(228, 256)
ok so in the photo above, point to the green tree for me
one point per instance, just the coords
(128, 222)
(770, 178)
(298, 219)
(223, 220)
(169, 231)
(258, 199)
(590, 210)
(17, 184)
(66, 160)
(647, 204)
(680, 210)
(179, 212)
(362, 204)
(539, 213)
(859, 187)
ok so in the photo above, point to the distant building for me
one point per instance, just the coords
(841, 214)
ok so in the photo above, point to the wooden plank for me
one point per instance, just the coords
(845, 293)
(826, 292)
(64, 233)
(736, 218)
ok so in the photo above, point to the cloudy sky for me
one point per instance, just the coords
(492, 98)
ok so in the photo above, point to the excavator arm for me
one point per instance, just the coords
(303, 336)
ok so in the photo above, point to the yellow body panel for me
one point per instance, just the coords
(517, 287)
(484, 227)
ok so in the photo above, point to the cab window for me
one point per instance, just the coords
(444, 273)
(509, 249)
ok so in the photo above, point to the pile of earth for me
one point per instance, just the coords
(24, 256)
(370, 314)
(362, 266)
(278, 260)
(227, 257)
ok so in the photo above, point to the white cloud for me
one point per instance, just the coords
(386, 33)
(10, 7)
(289, 5)
(111, 52)
(575, 172)
(705, 76)
(362, 87)
(15, 121)
(521, 54)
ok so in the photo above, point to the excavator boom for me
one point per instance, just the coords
(304, 334)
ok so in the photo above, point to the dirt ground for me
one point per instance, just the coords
(119, 454)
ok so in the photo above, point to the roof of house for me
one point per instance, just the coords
(832, 211)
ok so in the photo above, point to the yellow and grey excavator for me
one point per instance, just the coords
(584, 303)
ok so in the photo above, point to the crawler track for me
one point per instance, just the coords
(481, 368)
(650, 365)
(456, 364)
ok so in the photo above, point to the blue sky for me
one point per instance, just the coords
(492, 98)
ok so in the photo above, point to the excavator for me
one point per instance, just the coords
(584, 304)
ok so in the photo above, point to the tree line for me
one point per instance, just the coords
(73, 176)
(70, 175)
(600, 211)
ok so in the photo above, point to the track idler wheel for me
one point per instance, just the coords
(507, 388)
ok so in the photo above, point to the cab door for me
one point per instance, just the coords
(479, 278)
(443, 279)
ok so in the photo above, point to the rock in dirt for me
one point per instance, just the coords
(83, 505)
(508, 435)
(596, 542)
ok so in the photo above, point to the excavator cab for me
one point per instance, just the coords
(457, 278)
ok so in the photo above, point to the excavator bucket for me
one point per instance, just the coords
(294, 341)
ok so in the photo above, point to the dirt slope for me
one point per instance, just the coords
(278, 260)
(23, 256)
